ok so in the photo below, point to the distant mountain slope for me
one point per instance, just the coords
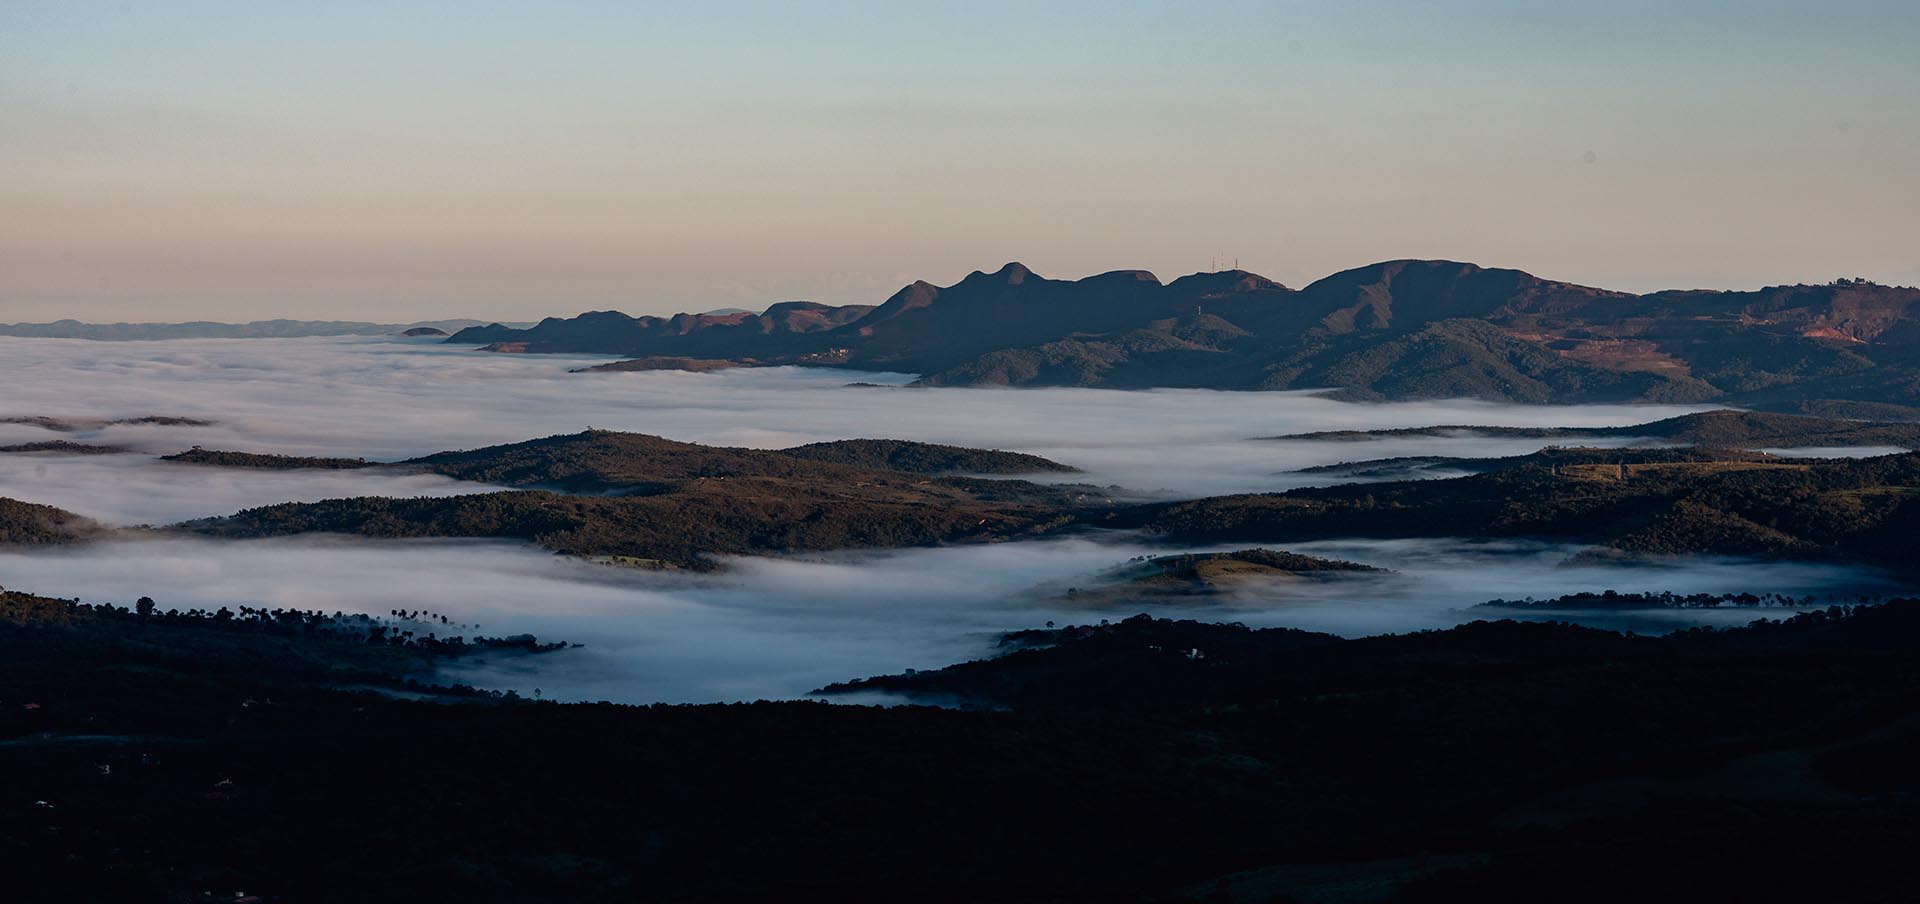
(789, 329)
(1406, 329)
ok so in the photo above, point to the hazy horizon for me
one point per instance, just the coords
(234, 162)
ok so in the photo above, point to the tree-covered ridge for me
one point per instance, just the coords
(315, 646)
(1162, 760)
(1407, 467)
(1216, 566)
(1615, 601)
(674, 504)
(83, 424)
(63, 447)
(1147, 662)
(32, 524)
(265, 461)
(606, 460)
(926, 458)
(1200, 575)
(1648, 502)
(1726, 428)
(682, 526)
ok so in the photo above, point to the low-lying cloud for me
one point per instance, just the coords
(391, 398)
(776, 627)
(767, 627)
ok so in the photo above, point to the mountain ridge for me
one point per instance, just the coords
(1394, 330)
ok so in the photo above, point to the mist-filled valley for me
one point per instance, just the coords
(781, 624)
(1064, 453)
(776, 628)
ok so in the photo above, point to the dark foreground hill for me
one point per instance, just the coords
(1142, 761)
(1404, 329)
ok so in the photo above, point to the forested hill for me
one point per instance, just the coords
(654, 502)
(1404, 329)
(1734, 429)
(27, 523)
(1624, 502)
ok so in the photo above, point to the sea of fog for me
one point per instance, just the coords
(388, 399)
(767, 627)
(777, 628)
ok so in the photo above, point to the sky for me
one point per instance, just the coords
(393, 162)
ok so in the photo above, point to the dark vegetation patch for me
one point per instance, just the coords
(1632, 502)
(1735, 429)
(265, 461)
(665, 362)
(397, 650)
(1507, 761)
(78, 425)
(1613, 600)
(32, 524)
(64, 447)
(926, 458)
(1199, 575)
(670, 503)
(674, 503)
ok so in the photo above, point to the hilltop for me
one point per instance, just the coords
(1405, 329)
(32, 524)
(654, 502)
(650, 501)
(927, 458)
(1198, 576)
(1628, 503)
(1733, 429)
(601, 460)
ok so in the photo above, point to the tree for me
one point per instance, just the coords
(145, 608)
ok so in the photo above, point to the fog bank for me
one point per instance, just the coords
(776, 628)
(389, 398)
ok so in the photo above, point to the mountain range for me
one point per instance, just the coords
(1405, 329)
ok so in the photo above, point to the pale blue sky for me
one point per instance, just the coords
(240, 160)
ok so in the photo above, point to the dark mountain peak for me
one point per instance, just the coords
(785, 307)
(1409, 294)
(1013, 273)
(1389, 272)
(917, 294)
(596, 317)
(1121, 277)
(1223, 282)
